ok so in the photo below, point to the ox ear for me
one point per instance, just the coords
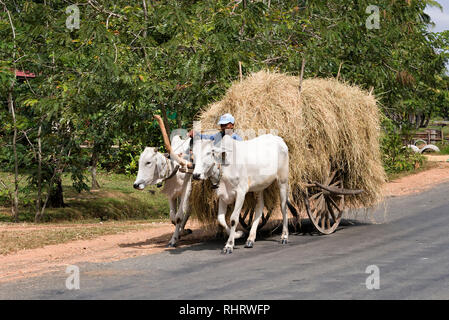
(156, 149)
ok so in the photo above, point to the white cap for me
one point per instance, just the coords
(226, 118)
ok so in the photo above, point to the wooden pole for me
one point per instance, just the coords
(301, 76)
(240, 71)
(339, 69)
(173, 155)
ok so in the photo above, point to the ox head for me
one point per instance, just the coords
(149, 168)
(208, 157)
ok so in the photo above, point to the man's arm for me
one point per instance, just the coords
(193, 134)
(235, 136)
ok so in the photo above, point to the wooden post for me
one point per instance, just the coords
(339, 68)
(173, 155)
(301, 76)
(240, 71)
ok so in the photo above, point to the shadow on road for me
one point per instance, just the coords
(268, 233)
(157, 242)
(216, 241)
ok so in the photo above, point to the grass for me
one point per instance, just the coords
(116, 200)
(444, 148)
(115, 208)
(15, 237)
(427, 165)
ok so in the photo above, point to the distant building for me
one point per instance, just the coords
(22, 75)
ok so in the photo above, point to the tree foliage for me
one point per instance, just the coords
(102, 83)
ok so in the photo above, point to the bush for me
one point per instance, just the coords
(122, 160)
(444, 148)
(397, 158)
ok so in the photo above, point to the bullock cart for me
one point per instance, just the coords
(332, 130)
(324, 203)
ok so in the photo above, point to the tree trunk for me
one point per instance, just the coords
(417, 121)
(426, 121)
(56, 198)
(93, 170)
(15, 202)
(15, 206)
(39, 174)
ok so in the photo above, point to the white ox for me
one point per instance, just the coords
(239, 167)
(155, 168)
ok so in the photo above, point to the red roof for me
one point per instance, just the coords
(25, 74)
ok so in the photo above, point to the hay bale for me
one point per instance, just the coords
(333, 125)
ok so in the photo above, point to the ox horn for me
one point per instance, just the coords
(174, 156)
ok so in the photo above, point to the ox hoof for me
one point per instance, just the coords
(171, 245)
(284, 241)
(249, 244)
(227, 250)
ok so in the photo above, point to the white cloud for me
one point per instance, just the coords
(440, 18)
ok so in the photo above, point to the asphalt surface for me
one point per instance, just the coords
(407, 240)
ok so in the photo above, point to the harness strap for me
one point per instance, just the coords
(173, 173)
(175, 170)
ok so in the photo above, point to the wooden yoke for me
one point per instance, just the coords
(174, 156)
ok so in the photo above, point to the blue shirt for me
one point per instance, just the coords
(218, 136)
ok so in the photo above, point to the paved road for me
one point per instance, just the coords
(408, 240)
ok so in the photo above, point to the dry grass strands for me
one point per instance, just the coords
(332, 126)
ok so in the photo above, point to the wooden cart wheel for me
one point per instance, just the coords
(325, 208)
(246, 220)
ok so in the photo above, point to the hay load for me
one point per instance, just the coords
(329, 126)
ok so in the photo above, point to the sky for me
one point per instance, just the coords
(440, 18)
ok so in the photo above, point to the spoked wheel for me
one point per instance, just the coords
(324, 207)
(246, 220)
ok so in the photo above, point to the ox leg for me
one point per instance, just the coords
(175, 237)
(172, 204)
(185, 206)
(179, 228)
(229, 247)
(181, 216)
(259, 210)
(185, 232)
(283, 187)
(181, 220)
(222, 208)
